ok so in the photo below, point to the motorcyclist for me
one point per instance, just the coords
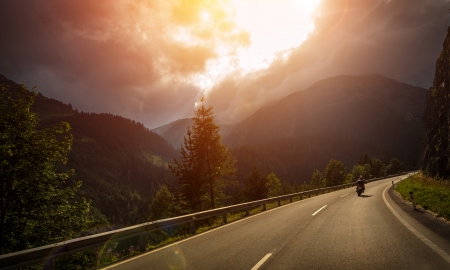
(362, 182)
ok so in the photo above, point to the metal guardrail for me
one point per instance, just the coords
(49, 252)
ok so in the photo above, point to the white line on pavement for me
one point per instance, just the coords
(345, 195)
(263, 260)
(319, 210)
(425, 240)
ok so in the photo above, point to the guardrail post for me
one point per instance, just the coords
(290, 199)
(393, 187)
(412, 200)
(264, 207)
(224, 217)
(247, 212)
(191, 223)
(279, 202)
(300, 197)
(142, 242)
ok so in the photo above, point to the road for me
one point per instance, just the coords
(338, 230)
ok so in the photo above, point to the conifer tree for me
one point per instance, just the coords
(205, 162)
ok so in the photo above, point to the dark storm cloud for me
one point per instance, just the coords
(112, 56)
(133, 58)
(399, 39)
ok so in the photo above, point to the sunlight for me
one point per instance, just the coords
(275, 27)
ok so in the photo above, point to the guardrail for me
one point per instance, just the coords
(38, 255)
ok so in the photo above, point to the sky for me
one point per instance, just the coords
(151, 60)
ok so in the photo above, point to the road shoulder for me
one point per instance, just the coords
(424, 225)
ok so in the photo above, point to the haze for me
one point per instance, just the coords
(150, 60)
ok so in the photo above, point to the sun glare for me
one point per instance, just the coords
(275, 27)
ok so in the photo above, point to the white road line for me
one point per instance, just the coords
(319, 210)
(345, 195)
(263, 260)
(425, 240)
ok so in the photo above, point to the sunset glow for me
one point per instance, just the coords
(274, 28)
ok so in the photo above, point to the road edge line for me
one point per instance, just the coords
(422, 238)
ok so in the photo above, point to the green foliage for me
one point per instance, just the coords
(317, 180)
(335, 173)
(378, 168)
(431, 194)
(395, 166)
(349, 178)
(164, 205)
(363, 170)
(255, 185)
(206, 165)
(37, 206)
(273, 184)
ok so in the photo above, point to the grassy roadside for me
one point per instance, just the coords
(431, 194)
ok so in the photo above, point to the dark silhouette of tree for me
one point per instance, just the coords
(317, 180)
(206, 164)
(335, 173)
(394, 166)
(37, 206)
(255, 185)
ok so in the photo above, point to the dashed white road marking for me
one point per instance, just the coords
(319, 210)
(262, 261)
(345, 195)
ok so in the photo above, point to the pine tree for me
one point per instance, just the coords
(256, 185)
(205, 162)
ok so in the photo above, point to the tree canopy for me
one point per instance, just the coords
(205, 165)
(37, 205)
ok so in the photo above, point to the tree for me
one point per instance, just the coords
(255, 185)
(395, 166)
(317, 180)
(205, 162)
(273, 184)
(363, 170)
(335, 173)
(37, 206)
(164, 205)
(378, 168)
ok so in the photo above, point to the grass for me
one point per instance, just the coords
(431, 194)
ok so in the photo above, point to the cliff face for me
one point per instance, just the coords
(437, 118)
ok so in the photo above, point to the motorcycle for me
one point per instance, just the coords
(359, 188)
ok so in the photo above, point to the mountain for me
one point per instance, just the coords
(340, 117)
(120, 162)
(174, 132)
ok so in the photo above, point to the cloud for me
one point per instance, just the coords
(396, 39)
(132, 58)
(140, 58)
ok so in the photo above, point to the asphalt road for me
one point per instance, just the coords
(338, 230)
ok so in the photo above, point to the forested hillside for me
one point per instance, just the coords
(120, 162)
(340, 117)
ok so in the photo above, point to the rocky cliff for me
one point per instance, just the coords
(437, 116)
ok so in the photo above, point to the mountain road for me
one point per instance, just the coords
(337, 230)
